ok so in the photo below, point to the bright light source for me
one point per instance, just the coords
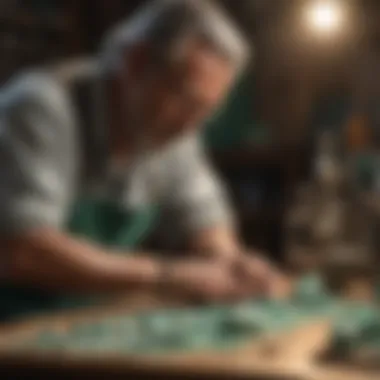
(326, 16)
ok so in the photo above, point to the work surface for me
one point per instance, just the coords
(276, 338)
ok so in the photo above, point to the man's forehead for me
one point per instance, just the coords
(203, 70)
(200, 58)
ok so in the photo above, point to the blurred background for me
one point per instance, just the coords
(315, 70)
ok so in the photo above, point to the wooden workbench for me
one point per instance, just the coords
(289, 355)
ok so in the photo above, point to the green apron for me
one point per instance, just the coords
(98, 221)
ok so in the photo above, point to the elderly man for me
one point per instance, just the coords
(122, 129)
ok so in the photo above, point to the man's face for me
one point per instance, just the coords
(168, 102)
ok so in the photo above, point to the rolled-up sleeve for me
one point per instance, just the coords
(36, 170)
(196, 194)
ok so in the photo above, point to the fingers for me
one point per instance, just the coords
(258, 275)
(213, 282)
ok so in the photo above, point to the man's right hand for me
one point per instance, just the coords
(206, 280)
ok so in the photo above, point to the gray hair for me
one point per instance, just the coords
(166, 24)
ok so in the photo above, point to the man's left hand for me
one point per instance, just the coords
(257, 275)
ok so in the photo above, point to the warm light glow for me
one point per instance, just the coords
(326, 16)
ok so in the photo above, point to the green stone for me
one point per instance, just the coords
(198, 341)
(370, 334)
(49, 340)
(341, 346)
(242, 321)
(310, 288)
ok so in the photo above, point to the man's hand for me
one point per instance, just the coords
(212, 280)
(254, 274)
(204, 280)
(257, 275)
